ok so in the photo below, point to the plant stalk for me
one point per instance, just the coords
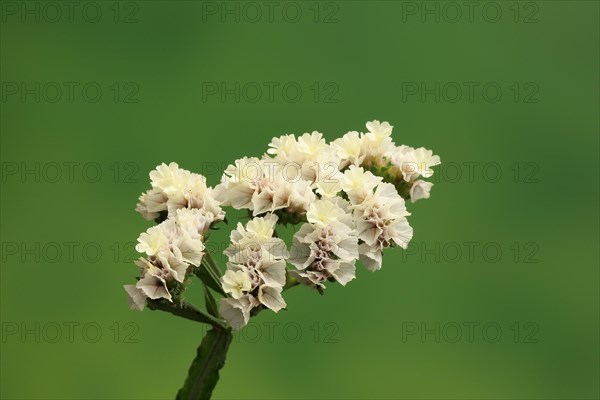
(204, 372)
(187, 311)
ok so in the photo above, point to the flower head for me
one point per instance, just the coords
(358, 183)
(255, 272)
(321, 252)
(264, 186)
(174, 188)
(236, 283)
(381, 222)
(412, 163)
(350, 148)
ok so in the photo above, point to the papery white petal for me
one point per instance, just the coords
(154, 287)
(420, 190)
(345, 273)
(136, 297)
(190, 250)
(235, 311)
(152, 241)
(370, 257)
(272, 273)
(271, 297)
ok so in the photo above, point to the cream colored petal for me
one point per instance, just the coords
(345, 273)
(233, 311)
(370, 257)
(273, 273)
(271, 297)
(402, 233)
(154, 287)
(191, 250)
(136, 297)
(178, 268)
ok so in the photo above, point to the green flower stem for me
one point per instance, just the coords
(209, 273)
(187, 311)
(203, 374)
(210, 261)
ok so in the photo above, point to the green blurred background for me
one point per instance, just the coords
(160, 66)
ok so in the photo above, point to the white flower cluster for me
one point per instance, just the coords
(379, 213)
(263, 186)
(348, 212)
(255, 273)
(177, 243)
(403, 165)
(348, 197)
(326, 247)
(174, 188)
(294, 170)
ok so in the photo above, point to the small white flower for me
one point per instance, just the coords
(358, 183)
(174, 188)
(256, 269)
(327, 211)
(173, 264)
(256, 235)
(262, 228)
(285, 143)
(420, 190)
(377, 144)
(311, 145)
(378, 131)
(151, 203)
(350, 148)
(152, 241)
(235, 283)
(425, 159)
(381, 222)
(167, 178)
(196, 222)
(264, 186)
(284, 148)
(186, 246)
(323, 252)
(413, 163)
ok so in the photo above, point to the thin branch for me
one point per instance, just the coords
(187, 311)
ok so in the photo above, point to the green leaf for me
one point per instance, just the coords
(204, 371)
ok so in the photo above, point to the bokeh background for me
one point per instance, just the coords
(508, 240)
